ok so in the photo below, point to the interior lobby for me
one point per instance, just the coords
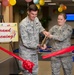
(13, 14)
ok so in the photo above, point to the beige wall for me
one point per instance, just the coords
(8, 17)
(18, 17)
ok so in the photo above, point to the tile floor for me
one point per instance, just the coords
(45, 67)
(46, 70)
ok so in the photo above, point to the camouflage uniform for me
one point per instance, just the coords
(61, 39)
(29, 31)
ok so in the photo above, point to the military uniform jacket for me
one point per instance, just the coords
(29, 32)
(61, 37)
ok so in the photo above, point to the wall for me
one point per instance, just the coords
(19, 13)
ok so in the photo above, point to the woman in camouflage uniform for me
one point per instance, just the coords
(60, 36)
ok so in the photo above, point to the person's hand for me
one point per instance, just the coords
(42, 47)
(45, 33)
(50, 36)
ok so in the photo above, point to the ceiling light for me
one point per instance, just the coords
(47, 0)
(51, 3)
(73, 0)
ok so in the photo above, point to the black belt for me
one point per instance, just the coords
(31, 48)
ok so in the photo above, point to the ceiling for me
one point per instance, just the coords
(49, 2)
(66, 2)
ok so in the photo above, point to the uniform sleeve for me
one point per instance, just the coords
(51, 30)
(41, 28)
(25, 37)
(63, 34)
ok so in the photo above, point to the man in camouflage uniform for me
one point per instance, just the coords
(30, 27)
(60, 36)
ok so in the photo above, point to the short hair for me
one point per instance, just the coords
(32, 7)
(63, 14)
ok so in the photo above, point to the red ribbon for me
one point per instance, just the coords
(59, 52)
(28, 65)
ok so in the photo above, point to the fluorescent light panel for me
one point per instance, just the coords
(47, 0)
(51, 3)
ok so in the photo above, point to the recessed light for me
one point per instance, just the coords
(47, 0)
(51, 3)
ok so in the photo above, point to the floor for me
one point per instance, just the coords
(45, 67)
(46, 70)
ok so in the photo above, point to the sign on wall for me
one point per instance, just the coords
(8, 32)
